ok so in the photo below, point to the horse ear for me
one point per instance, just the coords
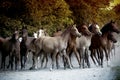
(16, 29)
(74, 25)
(111, 21)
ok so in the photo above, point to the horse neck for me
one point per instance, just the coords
(72, 38)
(13, 39)
(105, 35)
(24, 39)
(65, 36)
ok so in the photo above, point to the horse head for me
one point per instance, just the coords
(114, 27)
(24, 32)
(15, 35)
(74, 31)
(94, 28)
(84, 30)
(111, 26)
(39, 33)
(112, 37)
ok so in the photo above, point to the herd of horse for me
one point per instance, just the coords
(80, 40)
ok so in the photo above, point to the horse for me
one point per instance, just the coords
(72, 44)
(58, 33)
(39, 33)
(99, 43)
(84, 41)
(110, 44)
(70, 48)
(54, 45)
(25, 46)
(11, 47)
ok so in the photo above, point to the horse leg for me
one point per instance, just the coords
(17, 59)
(114, 48)
(98, 56)
(34, 62)
(101, 57)
(53, 59)
(83, 57)
(71, 58)
(25, 59)
(77, 56)
(42, 60)
(57, 61)
(92, 53)
(106, 54)
(3, 62)
(64, 61)
(46, 61)
(16, 63)
(11, 61)
(21, 61)
(87, 58)
(67, 59)
(69, 53)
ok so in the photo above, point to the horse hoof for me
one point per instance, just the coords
(70, 67)
(32, 68)
(51, 69)
(58, 66)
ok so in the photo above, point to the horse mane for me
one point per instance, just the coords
(67, 30)
(80, 25)
(106, 27)
(90, 27)
(13, 39)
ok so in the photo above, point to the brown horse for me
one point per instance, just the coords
(99, 43)
(11, 47)
(55, 45)
(73, 43)
(84, 41)
(25, 46)
(82, 44)
(110, 44)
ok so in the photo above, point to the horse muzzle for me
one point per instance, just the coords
(99, 33)
(79, 35)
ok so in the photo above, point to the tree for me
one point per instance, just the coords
(87, 10)
(116, 9)
(49, 14)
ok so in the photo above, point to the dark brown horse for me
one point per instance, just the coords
(24, 46)
(110, 44)
(11, 47)
(99, 43)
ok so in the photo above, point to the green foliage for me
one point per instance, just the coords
(53, 14)
(116, 9)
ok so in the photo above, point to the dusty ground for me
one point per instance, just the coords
(94, 73)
